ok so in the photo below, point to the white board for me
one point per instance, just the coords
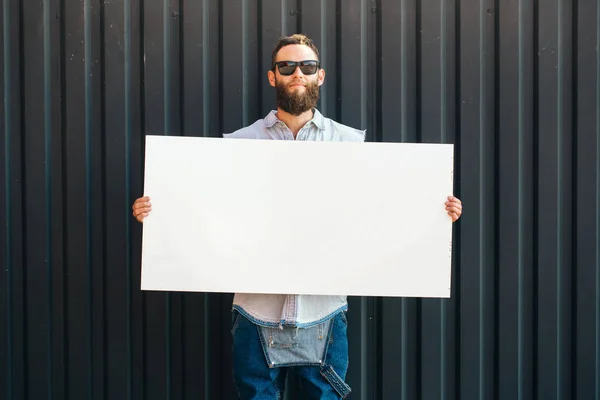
(269, 216)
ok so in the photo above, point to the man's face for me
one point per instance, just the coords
(298, 92)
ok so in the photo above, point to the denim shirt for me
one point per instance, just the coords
(302, 311)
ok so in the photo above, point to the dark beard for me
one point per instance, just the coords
(296, 103)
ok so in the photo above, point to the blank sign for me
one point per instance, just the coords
(269, 216)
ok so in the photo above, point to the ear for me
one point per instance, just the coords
(271, 76)
(321, 77)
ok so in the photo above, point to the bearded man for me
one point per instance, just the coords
(274, 333)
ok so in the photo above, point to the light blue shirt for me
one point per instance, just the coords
(302, 311)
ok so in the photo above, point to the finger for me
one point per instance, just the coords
(142, 210)
(139, 211)
(137, 206)
(454, 199)
(454, 216)
(453, 204)
(141, 217)
(454, 210)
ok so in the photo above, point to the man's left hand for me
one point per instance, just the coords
(454, 208)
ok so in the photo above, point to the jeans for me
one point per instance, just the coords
(255, 380)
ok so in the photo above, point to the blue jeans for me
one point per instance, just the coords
(254, 379)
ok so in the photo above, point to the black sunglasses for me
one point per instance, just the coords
(286, 68)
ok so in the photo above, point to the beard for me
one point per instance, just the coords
(296, 103)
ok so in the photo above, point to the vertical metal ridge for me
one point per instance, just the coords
(181, 75)
(443, 139)
(443, 72)
(443, 337)
(245, 56)
(418, 75)
(7, 193)
(404, 346)
(259, 72)
(64, 294)
(597, 375)
(207, 345)
(205, 67)
(377, 75)
(403, 73)
(167, 66)
(87, 22)
(364, 344)
(338, 58)
(104, 203)
(127, 216)
(520, 202)
(559, 205)
(284, 18)
(48, 183)
(363, 64)
(324, 56)
(482, 209)
(536, 194)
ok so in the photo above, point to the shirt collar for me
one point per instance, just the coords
(318, 120)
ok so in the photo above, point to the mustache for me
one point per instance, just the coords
(296, 82)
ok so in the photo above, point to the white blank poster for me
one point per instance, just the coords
(269, 216)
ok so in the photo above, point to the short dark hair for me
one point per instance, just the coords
(297, 38)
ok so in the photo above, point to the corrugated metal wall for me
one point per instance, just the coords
(515, 84)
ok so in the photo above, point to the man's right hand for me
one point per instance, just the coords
(141, 208)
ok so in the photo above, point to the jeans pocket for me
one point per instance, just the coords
(235, 321)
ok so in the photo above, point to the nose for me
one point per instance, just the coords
(298, 72)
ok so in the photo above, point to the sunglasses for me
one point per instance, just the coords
(287, 68)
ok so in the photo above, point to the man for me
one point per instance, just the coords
(272, 333)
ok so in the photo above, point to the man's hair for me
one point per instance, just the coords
(297, 38)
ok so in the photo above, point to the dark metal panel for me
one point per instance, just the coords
(587, 206)
(515, 224)
(522, 320)
(83, 200)
(38, 188)
(6, 268)
(95, 188)
(253, 73)
(477, 161)
(392, 56)
(352, 50)
(200, 68)
(554, 186)
(232, 80)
